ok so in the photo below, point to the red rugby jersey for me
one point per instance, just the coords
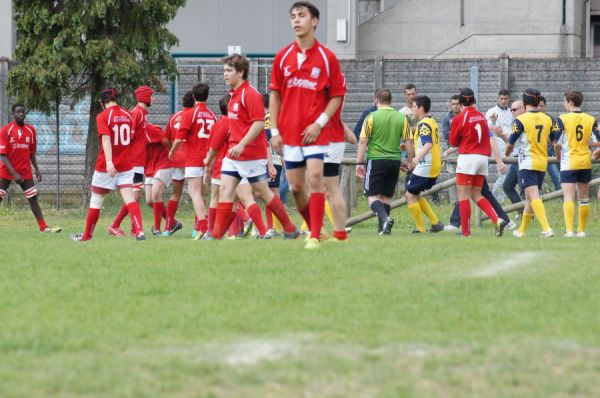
(17, 143)
(245, 107)
(195, 128)
(305, 89)
(116, 123)
(157, 155)
(469, 132)
(138, 144)
(218, 142)
(337, 127)
(178, 160)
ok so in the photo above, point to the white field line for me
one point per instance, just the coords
(510, 264)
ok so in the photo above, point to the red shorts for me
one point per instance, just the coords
(467, 179)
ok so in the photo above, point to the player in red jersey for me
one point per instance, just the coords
(18, 146)
(247, 153)
(470, 133)
(178, 165)
(137, 153)
(194, 129)
(158, 166)
(307, 87)
(114, 167)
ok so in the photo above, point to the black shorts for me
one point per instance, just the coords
(574, 176)
(138, 178)
(417, 184)
(529, 178)
(331, 169)
(381, 177)
(274, 183)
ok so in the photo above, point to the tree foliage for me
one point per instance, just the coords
(75, 48)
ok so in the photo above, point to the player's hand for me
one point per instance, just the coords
(494, 117)
(412, 164)
(206, 162)
(110, 168)
(171, 154)
(360, 171)
(206, 177)
(272, 172)
(38, 175)
(311, 133)
(236, 151)
(502, 169)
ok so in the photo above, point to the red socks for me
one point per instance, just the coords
(90, 223)
(305, 213)
(120, 216)
(256, 216)
(269, 217)
(316, 204)
(340, 235)
(487, 208)
(171, 211)
(212, 215)
(464, 207)
(276, 207)
(136, 218)
(42, 224)
(159, 210)
(202, 225)
(224, 210)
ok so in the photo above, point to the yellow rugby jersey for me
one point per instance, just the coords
(577, 130)
(427, 132)
(530, 134)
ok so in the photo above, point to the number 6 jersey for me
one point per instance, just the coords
(576, 130)
(116, 123)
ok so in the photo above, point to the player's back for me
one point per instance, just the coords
(577, 132)
(470, 133)
(427, 131)
(536, 128)
(178, 160)
(139, 139)
(117, 123)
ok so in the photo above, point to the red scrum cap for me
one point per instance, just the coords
(144, 94)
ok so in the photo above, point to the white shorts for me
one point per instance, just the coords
(178, 174)
(335, 152)
(138, 169)
(164, 175)
(245, 168)
(148, 180)
(472, 164)
(191, 172)
(299, 154)
(104, 181)
(217, 181)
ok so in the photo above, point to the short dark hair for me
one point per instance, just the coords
(187, 100)
(200, 92)
(409, 86)
(384, 96)
(266, 100)
(312, 9)
(239, 63)
(543, 99)
(423, 101)
(455, 97)
(531, 97)
(466, 97)
(503, 92)
(15, 106)
(576, 97)
(224, 103)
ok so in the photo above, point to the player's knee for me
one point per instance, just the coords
(96, 200)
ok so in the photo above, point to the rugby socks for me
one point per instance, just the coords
(159, 210)
(136, 217)
(527, 217)
(90, 223)
(417, 215)
(487, 208)
(569, 212)
(378, 208)
(275, 206)
(256, 216)
(171, 211)
(328, 212)
(388, 209)
(202, 225)
(41, 224)
(305, 213)
(212, 215)
(340, 235)
(316, 204)
(120, 216)
(584, 212)
(426, 208)
(224, 210)
(235, 226)
(464, 207)
(540, 213)
(269, 217)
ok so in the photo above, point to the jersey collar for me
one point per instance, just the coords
(308, 50)
(242, 86)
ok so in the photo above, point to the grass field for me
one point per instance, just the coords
(400, 316)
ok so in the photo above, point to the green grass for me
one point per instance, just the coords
(400, 316)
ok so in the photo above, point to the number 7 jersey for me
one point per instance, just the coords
(530, 134)
(116, 123)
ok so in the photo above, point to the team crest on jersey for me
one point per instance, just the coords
(315, 72)
(236, 106)
(27, 140)
(286, 71)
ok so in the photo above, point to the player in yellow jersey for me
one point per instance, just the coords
(426, 165)
(577, 131)
(530, 134)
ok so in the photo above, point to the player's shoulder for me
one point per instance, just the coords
(283, 52)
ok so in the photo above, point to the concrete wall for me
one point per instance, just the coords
(519, 28)
(259, 26)
(6, 29)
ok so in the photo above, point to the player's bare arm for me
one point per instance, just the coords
(349, 135)
(509, 149)
(422, 153)
(174, 147)
(36, 169)
(360, 156)
(16, 176)
(257, 128)
(311, 133)
(274, 107)
(110, 167)
(496, 152)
